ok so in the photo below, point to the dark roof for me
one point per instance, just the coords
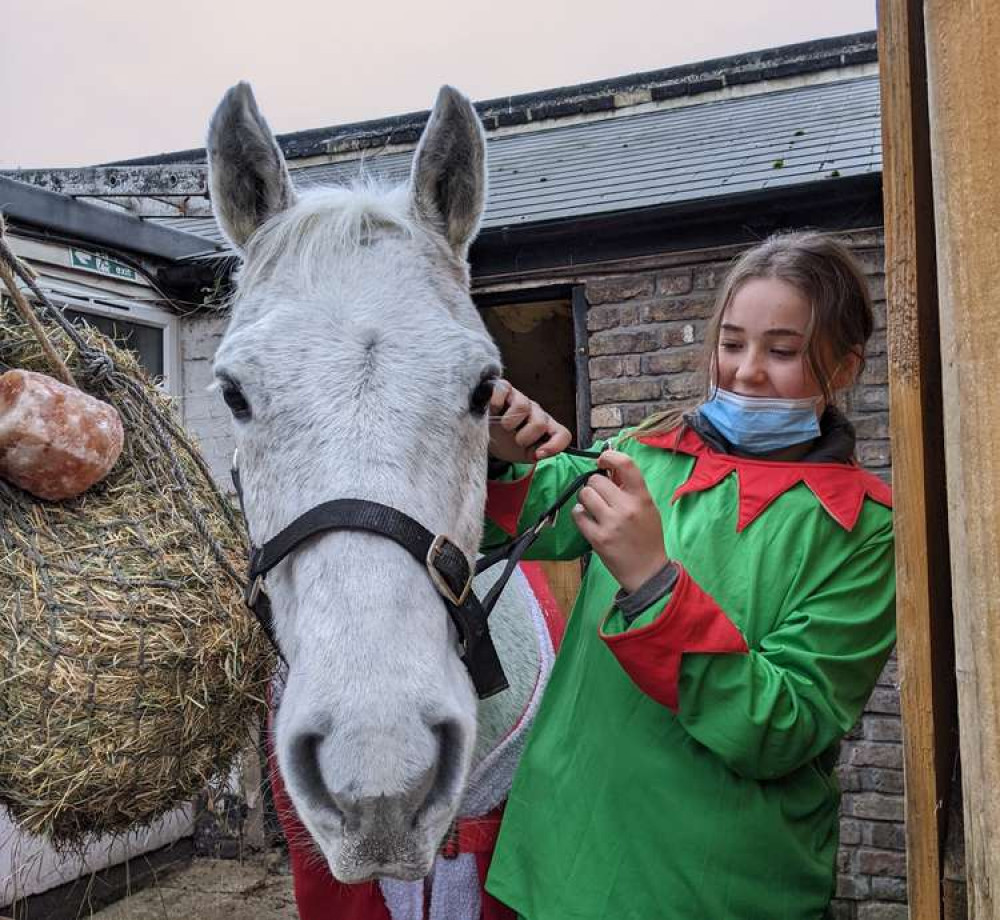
(669, 156)
(598, 96)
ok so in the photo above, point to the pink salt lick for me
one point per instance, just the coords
(55, 441)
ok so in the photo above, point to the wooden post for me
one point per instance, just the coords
(923, 605)
(253, 834)
(581, 358)
(963, 65)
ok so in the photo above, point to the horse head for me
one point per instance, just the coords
(356, 366)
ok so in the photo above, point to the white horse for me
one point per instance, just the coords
(353, 363)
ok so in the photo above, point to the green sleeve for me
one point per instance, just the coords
(772, 710)
(549, 478)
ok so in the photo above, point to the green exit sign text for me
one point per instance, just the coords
(104, 265)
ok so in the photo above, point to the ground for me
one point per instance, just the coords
(211, 889)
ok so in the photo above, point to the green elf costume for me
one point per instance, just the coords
(681, 763)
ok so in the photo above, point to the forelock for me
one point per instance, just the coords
(323, 223)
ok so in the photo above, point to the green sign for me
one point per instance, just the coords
(102, 264)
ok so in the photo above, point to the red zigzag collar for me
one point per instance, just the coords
(840, 488)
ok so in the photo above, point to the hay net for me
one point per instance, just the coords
(131, 673)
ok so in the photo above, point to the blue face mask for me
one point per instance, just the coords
(761, 425)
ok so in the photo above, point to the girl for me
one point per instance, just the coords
(726, 636)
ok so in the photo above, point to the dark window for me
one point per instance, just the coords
(145, 342)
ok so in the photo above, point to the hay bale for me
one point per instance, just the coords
(131, 672)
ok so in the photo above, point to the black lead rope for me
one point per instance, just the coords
(514, 550)
(446, 565)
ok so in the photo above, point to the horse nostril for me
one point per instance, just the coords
(448, 772)
(304, 764)
(399, 787)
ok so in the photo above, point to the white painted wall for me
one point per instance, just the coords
(207, 420)
(29, 865)
(204, 414)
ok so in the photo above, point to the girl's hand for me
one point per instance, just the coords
(617, 516)
(521, 431)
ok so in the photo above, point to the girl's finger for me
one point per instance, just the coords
(593, 502)
(518, 409)
(502, 390)
(557, 439)
(534, 429)
(604, 487)
(623, 470)
(585, 523)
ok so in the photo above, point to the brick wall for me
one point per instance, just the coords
(645, 331)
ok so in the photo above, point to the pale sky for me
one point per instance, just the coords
(89, 81)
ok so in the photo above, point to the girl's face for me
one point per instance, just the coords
(762, 343)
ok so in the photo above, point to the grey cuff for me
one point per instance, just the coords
(648, 593)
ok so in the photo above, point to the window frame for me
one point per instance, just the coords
(140, 314)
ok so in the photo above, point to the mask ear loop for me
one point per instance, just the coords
(855, 353)
(713, 373)
(834, 389)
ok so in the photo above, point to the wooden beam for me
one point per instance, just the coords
(581, 360)
(963, 67)
(923, 605)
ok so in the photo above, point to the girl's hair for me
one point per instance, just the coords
(831, 280)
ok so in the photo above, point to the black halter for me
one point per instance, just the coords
(446, 565)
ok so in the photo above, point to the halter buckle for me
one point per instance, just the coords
(253, 595)
(436, 548)
(549, 520)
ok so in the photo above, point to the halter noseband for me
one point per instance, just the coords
(446, 565)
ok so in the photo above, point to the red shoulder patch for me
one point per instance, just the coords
(840, 488)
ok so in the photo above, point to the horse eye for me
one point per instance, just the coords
(480, 400)
(234, 398)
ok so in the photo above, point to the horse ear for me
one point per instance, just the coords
(448, 181)
(247, 175)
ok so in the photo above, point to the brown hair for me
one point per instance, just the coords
(830, 278)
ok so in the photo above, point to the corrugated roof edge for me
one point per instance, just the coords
(54, 211)
(602, 95)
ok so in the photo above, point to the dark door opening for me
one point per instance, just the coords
(537, 340)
